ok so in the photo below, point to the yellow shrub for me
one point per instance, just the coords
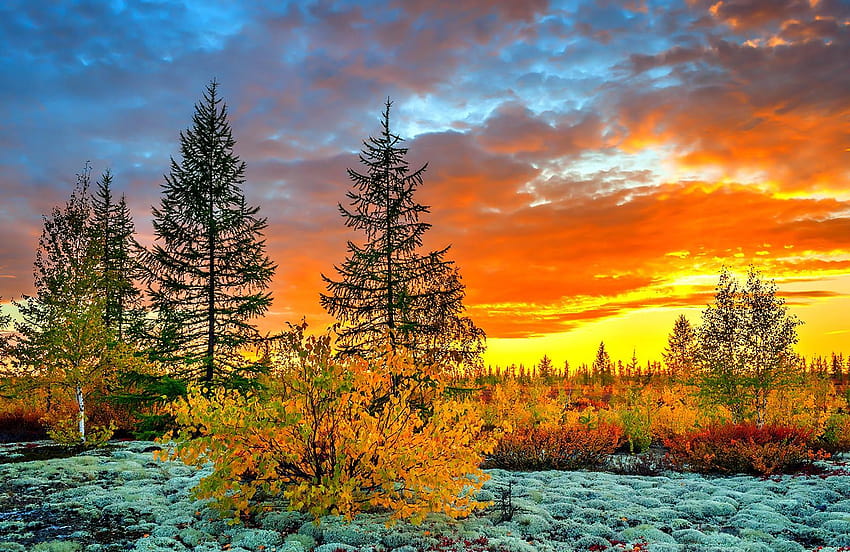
(809, 405)
(335, 437)
(677, 413)
(511, 404)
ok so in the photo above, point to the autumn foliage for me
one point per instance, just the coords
(555, 448)
(836, 434)
(743, 448)
(336, 437)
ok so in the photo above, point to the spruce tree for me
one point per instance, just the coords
(7, 367)
(114, 229)
(680, 350)
(208, 270)
(387, 288)
(602, 366)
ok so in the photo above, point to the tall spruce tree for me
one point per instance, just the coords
(114, 230)
(387, 288)
(208, 270)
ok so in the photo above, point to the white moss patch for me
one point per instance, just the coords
(63, 504)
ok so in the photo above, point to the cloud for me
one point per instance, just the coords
(581, 158)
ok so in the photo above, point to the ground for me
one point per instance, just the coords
(121, 498)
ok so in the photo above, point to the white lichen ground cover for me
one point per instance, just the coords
(123, 499)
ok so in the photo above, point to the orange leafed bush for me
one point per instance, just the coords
(337, 437)
(555, 448)
(743, 448)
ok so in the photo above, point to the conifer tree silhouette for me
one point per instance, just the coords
(208, 270)
(387, 288)
(114, 231)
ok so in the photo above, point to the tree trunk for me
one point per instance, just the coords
(81, 404)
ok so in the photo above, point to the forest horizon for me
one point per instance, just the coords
(590, 192)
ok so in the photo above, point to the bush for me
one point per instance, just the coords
(336, 437)
(21, 424)
(743, 448)
(564, 448)
(836, 433)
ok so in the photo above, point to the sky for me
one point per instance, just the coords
(593, 165)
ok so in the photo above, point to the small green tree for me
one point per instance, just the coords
(680, 350)
(62, 341)
(603, 368)
(745, 346)
(545, 368)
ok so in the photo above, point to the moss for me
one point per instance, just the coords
(351, 535)
(678, 524)
(335, 547)
(485, 496)
(689, 536)
(590, 515)
(286, 521)
(755, 535)
(839, 540)
(837, 526)
(647, 501)
(670, 547)
(599, 530)
(305, 541)
(704, 509)
(158, 544)
(731, 542)
(590, 541)
(561, 510)
(531, 524)
(756, 547)
(57, 546)
(191, 537)
(646, 532)
(311, 529)
(512, 544)
(253, 539)
(170, 531)
(12, 547)
(781, 545)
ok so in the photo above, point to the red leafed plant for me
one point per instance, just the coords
(558, 448)
(744, 448)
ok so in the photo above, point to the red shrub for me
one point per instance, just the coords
(743, 448)
(20, 424)
(535, 448)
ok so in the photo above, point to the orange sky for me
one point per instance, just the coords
(593, 166)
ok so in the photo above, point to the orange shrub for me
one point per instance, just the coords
(336, 437)
(562, 448)
(743, 448)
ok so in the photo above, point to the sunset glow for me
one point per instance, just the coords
(594, 165)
